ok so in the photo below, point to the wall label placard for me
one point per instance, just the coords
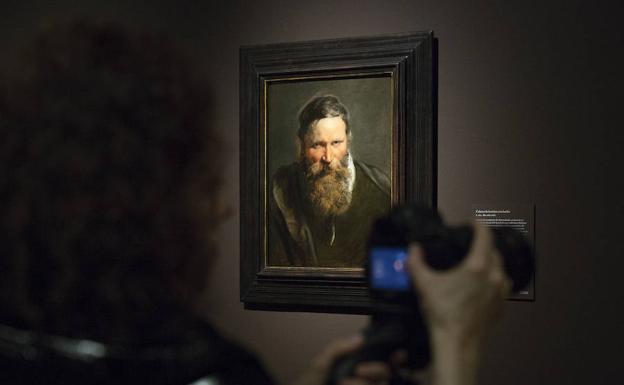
(518, 216)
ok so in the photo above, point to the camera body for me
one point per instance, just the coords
(396, 321)
(444, 247)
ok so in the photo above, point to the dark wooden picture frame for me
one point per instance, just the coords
(407, 63)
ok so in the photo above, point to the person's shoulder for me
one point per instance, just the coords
(376, 175)
(284, 177)
(284, 185)
(284, 172)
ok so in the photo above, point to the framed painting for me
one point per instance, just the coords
(332, 134)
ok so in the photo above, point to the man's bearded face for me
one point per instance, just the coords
(326, 160)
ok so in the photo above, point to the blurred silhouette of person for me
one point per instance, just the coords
(109, 194)
(109, 204)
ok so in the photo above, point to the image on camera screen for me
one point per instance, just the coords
(388, 269)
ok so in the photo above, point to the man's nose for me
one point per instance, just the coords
(328, 156)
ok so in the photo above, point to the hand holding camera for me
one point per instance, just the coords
(459, 306)
(461, 275)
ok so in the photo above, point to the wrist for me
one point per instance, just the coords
(455, 357)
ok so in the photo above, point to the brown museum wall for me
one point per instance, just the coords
(527, 113)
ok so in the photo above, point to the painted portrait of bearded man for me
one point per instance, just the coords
(322, 205)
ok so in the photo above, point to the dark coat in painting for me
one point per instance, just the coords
(299, 237)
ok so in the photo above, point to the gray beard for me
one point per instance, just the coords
(328, 186)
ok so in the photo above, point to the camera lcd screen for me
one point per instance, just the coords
(388, 269)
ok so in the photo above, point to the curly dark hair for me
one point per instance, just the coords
(108, 198)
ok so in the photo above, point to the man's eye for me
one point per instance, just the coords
(316, 146)
(336, 142)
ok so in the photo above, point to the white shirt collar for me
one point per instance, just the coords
(351, 168)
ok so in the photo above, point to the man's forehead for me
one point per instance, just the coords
(327, 128)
